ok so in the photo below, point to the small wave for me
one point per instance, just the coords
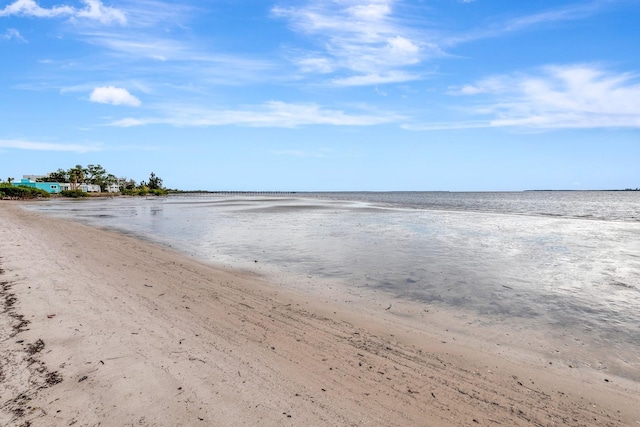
(623, 285)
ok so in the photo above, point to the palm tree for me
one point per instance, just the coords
(76, 174)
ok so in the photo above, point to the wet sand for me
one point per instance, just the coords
(99, 328)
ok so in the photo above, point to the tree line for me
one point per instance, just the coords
(98, 175)
(92, 174)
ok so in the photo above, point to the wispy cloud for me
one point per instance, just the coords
(525, 22)
(21, 144)
(492, 84)
(576, 96)
(566, 13)
(157, 13)
(366, 42)
(114, 96)
(362, 40)
(271, 114)
(135, 45)
(376, 79)
(12, 34)
(138, 45)
(92, 10)
(557, 97)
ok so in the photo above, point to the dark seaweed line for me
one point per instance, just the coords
(18, 406)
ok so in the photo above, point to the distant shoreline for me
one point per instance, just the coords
(251, 192)
(626, 189)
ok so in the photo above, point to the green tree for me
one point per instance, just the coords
(129, 184)
(108, 180)
(60, 175)
(94, 174)
(76, 175)
(155, 182)
(97, 175)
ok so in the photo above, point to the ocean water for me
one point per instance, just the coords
(567, 263)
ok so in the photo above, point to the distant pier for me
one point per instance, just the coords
(232, 193)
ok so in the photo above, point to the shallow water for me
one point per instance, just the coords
(567, 262)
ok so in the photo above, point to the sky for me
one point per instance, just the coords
(331, 95)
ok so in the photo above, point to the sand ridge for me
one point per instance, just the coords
(130, 333)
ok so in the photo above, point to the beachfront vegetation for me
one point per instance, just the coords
(73, 193)
(153, 187)
(10, 191)
(155, 182)
(79, 175)
(92, 174)
(144, 191)
(97, 175)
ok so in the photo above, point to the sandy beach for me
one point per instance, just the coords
(100, 328)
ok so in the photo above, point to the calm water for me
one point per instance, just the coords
(566, 261)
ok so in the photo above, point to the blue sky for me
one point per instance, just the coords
(306, 95)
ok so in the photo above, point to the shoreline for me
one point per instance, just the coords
(139, 333)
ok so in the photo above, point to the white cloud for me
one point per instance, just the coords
(375, 79)
(557, 97)
(12, 33)
(20, 144)
(370, 10)
(31, 8)
(358, 38)
(566, 13)
(271, 114)
(575, 96)
(563, 13)
(315, 65)
(139, 45)
(182, 60)
(401, 47)
(94, 10)
(114, 95)
(487, 85)
(158, 13)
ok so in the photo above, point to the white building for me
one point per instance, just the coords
(89, 188)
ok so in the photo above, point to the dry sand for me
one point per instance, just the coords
(98, 328)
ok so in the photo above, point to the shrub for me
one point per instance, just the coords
(73, 193)
(21, 192)
(144, 191)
